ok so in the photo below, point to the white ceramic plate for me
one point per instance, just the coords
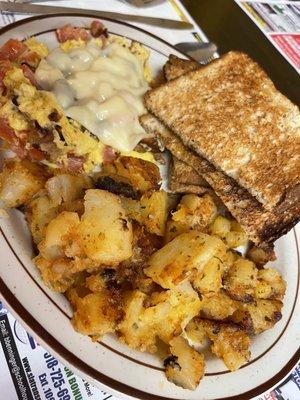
(123, 371)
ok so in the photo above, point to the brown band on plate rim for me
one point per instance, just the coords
(74, 360)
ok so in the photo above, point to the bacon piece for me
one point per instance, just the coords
(75, 163)
(36, 154)
(29, 74)
(109, 155)
(69, 32)
(12, 49)
(98, 29)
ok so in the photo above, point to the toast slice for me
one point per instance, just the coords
(261, 225)
(184, 179)
(230, 113)
(176, 67)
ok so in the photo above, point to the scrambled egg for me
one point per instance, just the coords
(14, 78)
(81, 143)
(39, 104)
(16, 120)
(71, 44)
(40, 48)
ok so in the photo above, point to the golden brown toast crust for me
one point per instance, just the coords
(176, 67)
(186, 173)
(184, 179)
(230, 112)
(178, 187)
(262, 226)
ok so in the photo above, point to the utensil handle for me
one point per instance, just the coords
(26, 8)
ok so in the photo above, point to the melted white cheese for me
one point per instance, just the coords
(101, 89)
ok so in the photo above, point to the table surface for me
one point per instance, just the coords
(226, 24)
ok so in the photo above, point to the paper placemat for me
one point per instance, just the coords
(280, 22)
(28, 372)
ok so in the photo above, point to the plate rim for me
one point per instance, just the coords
(14, 24)
(82, 367)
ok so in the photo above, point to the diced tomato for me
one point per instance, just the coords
(12, 49)
(98, 29)
(69, 32)
(109, 155)
(75, 163)
(28, 73)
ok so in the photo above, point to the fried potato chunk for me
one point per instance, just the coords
(185, 255)
(58, 234)
(258, 316)
(65, 188)
(209, 280)
(104, 233)
(20, 180)
(241, 280)
(162, 315)
(185, 365)
(60, 274)
(230, 342)
(218, 307)
(63, 192)
(155, 208)
(270, 284)
(96, 313)
(39, 212)
(220, 227)
(103, 236)
(193, 213)
(229, 230)
(132, 208)
(129, 176)
(152, 210)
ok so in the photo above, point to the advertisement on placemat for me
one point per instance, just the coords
(28, 372)
(280, 22)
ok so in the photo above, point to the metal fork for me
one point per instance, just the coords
(204, 52)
